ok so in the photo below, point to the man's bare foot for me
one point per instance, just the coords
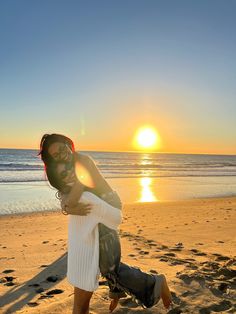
(113, 305)
(165, 293)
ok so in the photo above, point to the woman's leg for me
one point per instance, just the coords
(81, 301)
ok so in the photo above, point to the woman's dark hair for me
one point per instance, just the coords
(54, 180)
(49, 139)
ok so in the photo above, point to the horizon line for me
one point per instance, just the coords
(133, 151)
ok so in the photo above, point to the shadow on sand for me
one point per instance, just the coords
(22, 294)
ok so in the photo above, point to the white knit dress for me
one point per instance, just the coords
(83, 241)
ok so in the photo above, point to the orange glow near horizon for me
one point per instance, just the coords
(147, 138)
(125, 140)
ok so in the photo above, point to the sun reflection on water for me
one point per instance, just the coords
(147, 194)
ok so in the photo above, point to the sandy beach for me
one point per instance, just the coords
(192, 242)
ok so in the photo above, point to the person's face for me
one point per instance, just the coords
(66, 173)
(60, 152)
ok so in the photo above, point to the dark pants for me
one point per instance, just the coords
(121, 277)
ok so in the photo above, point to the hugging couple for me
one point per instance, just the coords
(94, 212)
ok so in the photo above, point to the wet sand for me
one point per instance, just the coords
(192, 242)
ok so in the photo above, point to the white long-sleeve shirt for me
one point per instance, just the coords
(83, 241)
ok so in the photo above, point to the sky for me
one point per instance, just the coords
(96, 71)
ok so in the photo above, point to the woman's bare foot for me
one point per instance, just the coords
(161, 290)
(113, 305)
(165, 293)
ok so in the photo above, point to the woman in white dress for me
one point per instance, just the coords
(87, 212)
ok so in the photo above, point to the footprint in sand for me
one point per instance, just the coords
(163, 247)
(191, 266)
(8, 280)
(189, 278)
(224, 305)
(8, 271)
(194, 250)
(32, 304)
(163, 259)
(44, 296)
(143, 252)
(197, 252)
(210, 265)
(39, 290)
(222, 258)
(226, 272)
(153, 271)
(200, 254)
(176, 300)
(216, 254)
(150, 241)
(54, 291)
(176, 310)
(170, 254)
(176, 249)
(9, 284)
(52, 278)
(176, 262)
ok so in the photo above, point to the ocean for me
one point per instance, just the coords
(24, 188)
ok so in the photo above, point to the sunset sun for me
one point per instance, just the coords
(146, 138)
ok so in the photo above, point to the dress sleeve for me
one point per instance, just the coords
(105, 213)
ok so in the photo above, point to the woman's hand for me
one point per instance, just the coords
(80, 209)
